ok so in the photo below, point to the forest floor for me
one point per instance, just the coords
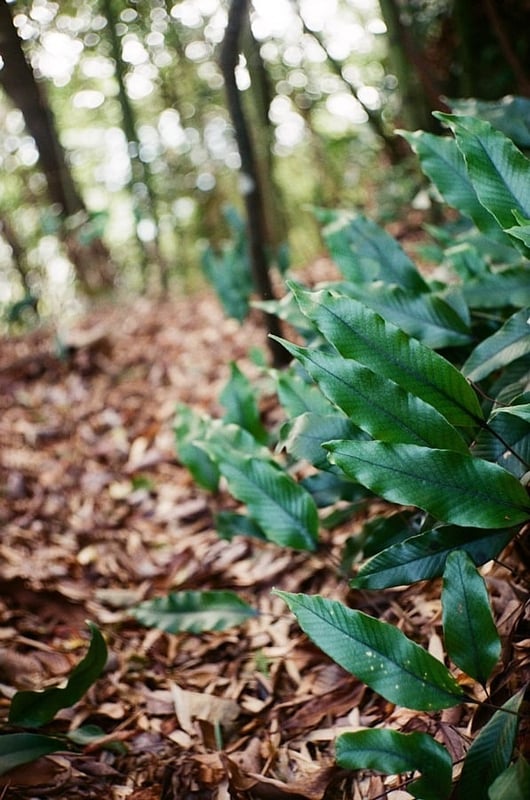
(97, 515)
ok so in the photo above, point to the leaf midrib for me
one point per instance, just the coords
(370, 645)
(452, 487)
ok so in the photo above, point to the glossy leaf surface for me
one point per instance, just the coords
(423, 557)
(513, 783)
(361, 334)
(470, 634)
(282, 508)
(491, 751)
(426, 317)
(454, 488)
(444, 165)
(303, 436)
(365, 252)
(392, 752)
(497, 169)
(376, 404)
(377, 653)
(33, 709)
(507, 344)
(22, 748)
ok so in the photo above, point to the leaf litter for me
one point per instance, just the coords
(98, 515)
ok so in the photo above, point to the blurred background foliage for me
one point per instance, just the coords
(118, 163)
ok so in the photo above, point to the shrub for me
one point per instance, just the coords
(414, 389)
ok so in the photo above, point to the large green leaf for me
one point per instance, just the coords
(33, 709)
(376, 404)
(453, 487)
(470, 635)
(513, 783)
(193, 611)
(444, 164)
(430, 318)
(423, 557)
(302, 437)
(241, 405)
(364, 252)
(392, 752)
(284, 510)
(22, 748)
(379, 654)
(510, 114)
(491, 751)
(507, 344)
(359, 333)
(498, 171)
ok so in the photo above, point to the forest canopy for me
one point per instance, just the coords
(118, 159)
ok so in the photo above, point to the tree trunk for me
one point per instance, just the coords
(251, 186)
(419, 94)
(141, 176)
(91, 261)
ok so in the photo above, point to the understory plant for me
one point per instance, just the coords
(31, 713)
(414, 388)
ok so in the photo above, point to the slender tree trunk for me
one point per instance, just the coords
(141, 176)
(17, 252)
(251, 186)
(91, 261)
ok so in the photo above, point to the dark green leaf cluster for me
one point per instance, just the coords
(415, 390)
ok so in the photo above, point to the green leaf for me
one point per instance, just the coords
(513, 783)
(423, 557)
(284, 510)
(302, 437)
(506, 441)
(22, 748)
(33, 709)
(297, 395)
(453, 487)
(392, 752)
(359, 333)
(510, 114)
(379, 654)
(193, 611)
(507, 287)
(380, 533)
(230, 275)
(497, 169)
(491, 751)
(507, 344)
(188, 427)
(364, 252)
(470, 635)
(522, 411)
(229, 524)
(241, 406)
(376, 404)
(327, 488)
(444, 165)
(426, 317)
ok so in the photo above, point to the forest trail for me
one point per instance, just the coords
(98, 514)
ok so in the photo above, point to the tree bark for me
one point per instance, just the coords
(92, 262)
(250, 183)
